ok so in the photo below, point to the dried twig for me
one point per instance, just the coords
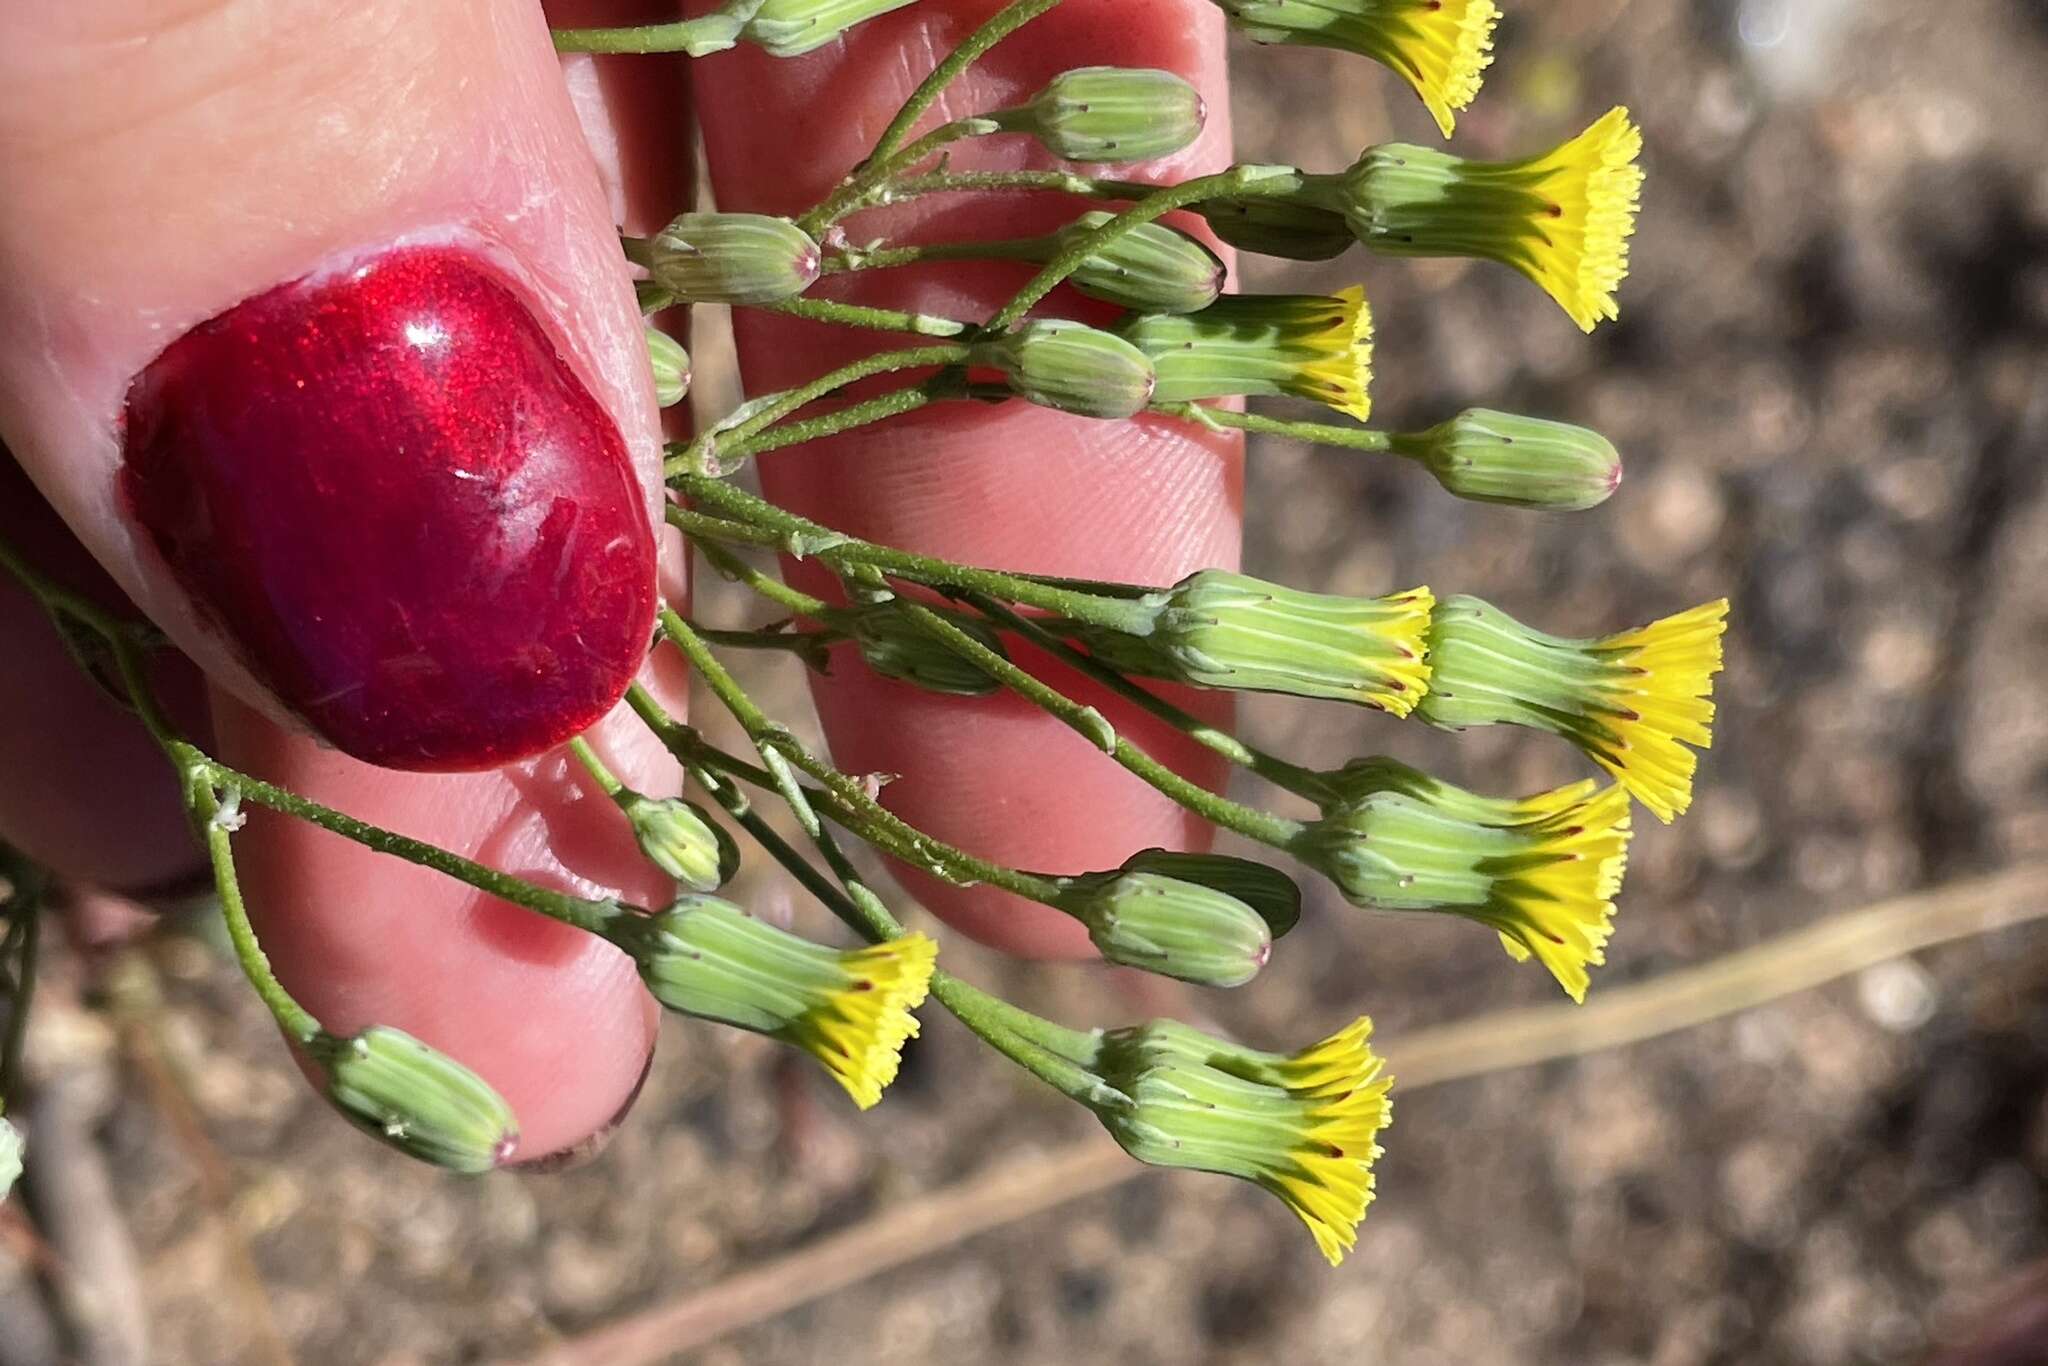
(1495, 1042)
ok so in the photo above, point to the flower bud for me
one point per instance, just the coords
(681, 840)
(1440, 47)
(671, 367)
(1545, 883)
(1285, 228)
(10, 1158)
(417, 1099)
(1521, 461)
(1304, 1126)
(1163, 924)
(1223, 630)
(1563, 218)
(733, 258)
(1631, 701)
(895, 646)
(1151, 269)
(849, 1009)
(1260, 886)
(1111, 113)
(790, 28)
(1312, 346)
(1070, 366)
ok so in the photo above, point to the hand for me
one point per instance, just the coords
(157, 171)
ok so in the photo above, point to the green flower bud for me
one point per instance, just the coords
(733, 258)
(671, 367)
(1111, 113)
(1439, 47)
(850, 1009)
(894, 646)
(1303, 1126)
(681, 840)
(1164, 924)
(1521, 461)
(1545, 883)
(1632, 701)
(1562, 218)
(1265, 889)
(1075, 368)
(1278, 227)
(790, 28)
(1312, 346)
(1152, 269)
(10, 1158)
(1223, 630)
(417, 1099)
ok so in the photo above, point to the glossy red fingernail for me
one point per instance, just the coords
(388, 488)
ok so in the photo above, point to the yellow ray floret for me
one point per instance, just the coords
(1579, 247)
(1556, 901)
(1341, 373)
(1442, 47)
(1328, 1179)
(1404, 632)
(1659, 701)
(858, 1032)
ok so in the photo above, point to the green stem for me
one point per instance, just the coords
(888, 258)
(699, 37)
(983, 182)
(1317, 433)
(1090, 723)
(698, 455)
(1237, 182)
(860, 189)
(585, 914)
(875, 319)
(946, 384)
(1293, 778)
(596, 767)
(868, 817)
(767, 585)
(296, 1021)
(775, 528)
(999, 26)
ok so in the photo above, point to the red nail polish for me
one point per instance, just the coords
(388, 488)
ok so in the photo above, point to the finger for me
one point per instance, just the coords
(86, 793)
(370, 237)
(1011, 486)
(307, 145)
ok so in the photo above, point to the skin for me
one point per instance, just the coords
(136, 139)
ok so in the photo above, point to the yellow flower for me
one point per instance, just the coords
(848, 1008)
(1541, 872)
(859, 1030)
(1631, 701)
(1312, 346)
(1305, 1126)
(1439, 46)
(1562, 218)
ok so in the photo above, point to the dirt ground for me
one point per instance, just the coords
(1831, 387)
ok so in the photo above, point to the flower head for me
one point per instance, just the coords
(1544, 882)
(1563, 218)
(1312, 346)
(416, 1098)
(1110, 113)
(1221, 630)
(1305, 1126)
(1631, 701)
(1440, 47)
(1143, 916)
(849, 1009)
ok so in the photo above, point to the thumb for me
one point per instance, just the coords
(314, 329)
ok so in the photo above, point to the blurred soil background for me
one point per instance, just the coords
(1830, 384)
